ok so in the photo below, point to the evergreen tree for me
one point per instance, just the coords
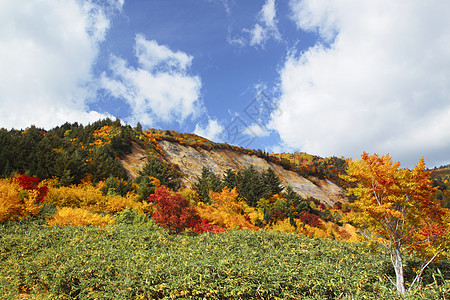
(70, 168)
(230, 179)
(271, 183)
(103, 163)
(208, 181)
(250, 186)
(296, 203)
(167, 174)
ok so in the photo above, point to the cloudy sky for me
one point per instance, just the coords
(327, 77)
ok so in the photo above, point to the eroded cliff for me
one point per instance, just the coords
(191, 161)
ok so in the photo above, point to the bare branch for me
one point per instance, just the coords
(424, 265)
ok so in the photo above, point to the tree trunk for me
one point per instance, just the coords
(398, 267)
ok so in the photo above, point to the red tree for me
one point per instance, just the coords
(174, 212)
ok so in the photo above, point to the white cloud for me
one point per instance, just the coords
(382, 85)
(264, 29)
(319, 15)
(159, 89)
(256, 131)
(47, 49)
(154, 57)
(211, 131)
(268, 14)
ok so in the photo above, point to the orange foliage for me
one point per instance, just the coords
(395, 206)
(21, 197)
(226, 210)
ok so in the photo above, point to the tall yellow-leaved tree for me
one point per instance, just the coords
(393, 206)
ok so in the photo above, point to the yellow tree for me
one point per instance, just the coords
(393, 206)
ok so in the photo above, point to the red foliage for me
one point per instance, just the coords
(26, 182)
(31, 183)
(205, 226)
(310, 219)
(278, 215)
(173, 211)
(247, 218)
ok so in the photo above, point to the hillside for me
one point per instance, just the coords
(191, 161)
(106, 167)
(441, 180)
(107, 148)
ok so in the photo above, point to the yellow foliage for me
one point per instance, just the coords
(49, 182)
(284, 226)
(314, 231)
(352, 231)
(82, 195)
(190, 195)
(155, 181)
(226, 211)
(117, 204)
(29, 203)
(345, 232)
(253, 213)
(88, 196)
(15, 201)
(342, 233)
(227, 200)
(10, 202)
(68, 216)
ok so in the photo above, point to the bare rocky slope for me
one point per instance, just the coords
(135, 161)
(191, 161)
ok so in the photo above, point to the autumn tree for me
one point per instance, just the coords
(174, 212)
(393, 206)
(226, 210)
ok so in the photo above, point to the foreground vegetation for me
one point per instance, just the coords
(144, 261)
(79, 228)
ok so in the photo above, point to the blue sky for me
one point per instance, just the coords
(324, 77)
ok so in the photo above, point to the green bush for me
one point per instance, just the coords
(139, 262)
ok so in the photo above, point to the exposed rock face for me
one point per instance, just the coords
(191, 161)
(135, 161)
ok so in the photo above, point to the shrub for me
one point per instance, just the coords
(174, 212)
(226, 210)
(310, 219)
(88, 196)
(68, 216)
(134, 218)
(117, 204)
(10, 201)
(205, 226)
(20, 197)
(82, 195)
